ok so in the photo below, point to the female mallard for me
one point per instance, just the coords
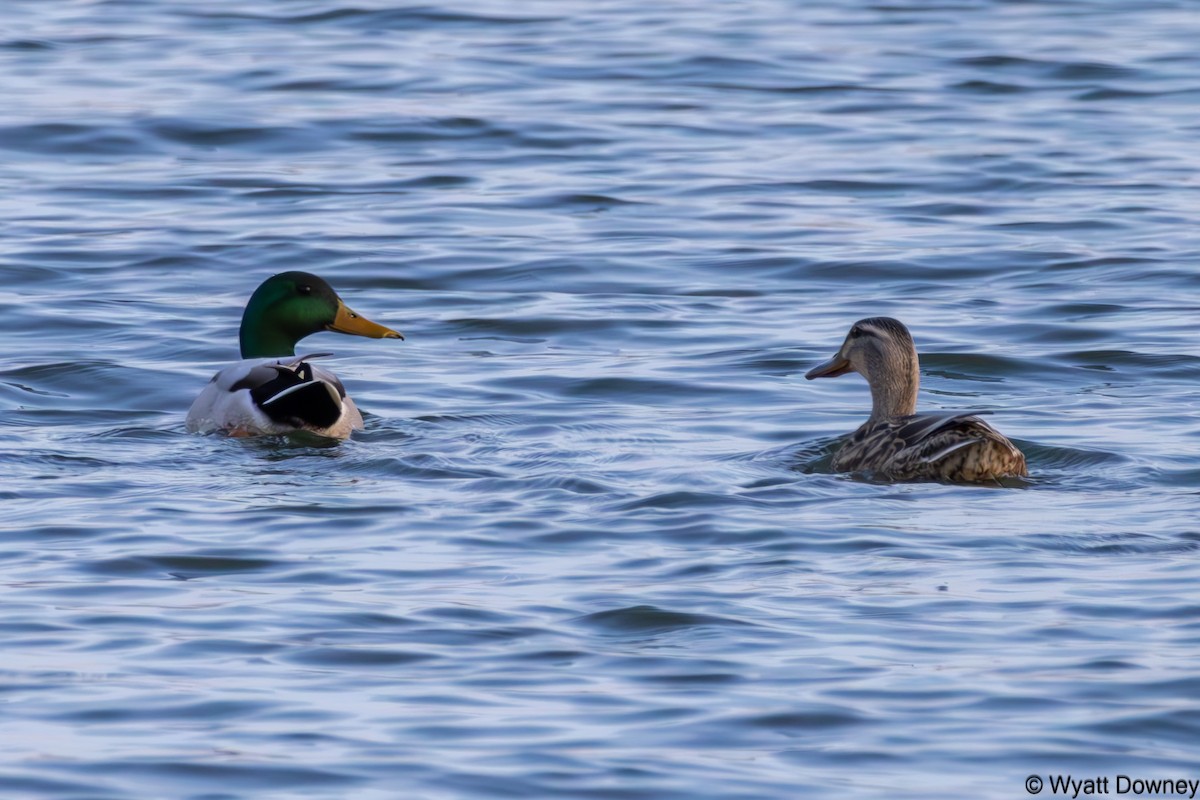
(272, 390)
(898, 443)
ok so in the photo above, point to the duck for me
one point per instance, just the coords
(896, 443)
(272, 391)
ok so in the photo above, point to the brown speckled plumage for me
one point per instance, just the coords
(897, 444)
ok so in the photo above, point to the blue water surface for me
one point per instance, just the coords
(589, 544)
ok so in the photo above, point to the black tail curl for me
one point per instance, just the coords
(296, 397)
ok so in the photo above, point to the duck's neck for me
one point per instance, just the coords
(894, 390)
(258, 339)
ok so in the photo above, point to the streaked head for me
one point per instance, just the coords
(881, 350)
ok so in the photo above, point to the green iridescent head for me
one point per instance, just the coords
(291, 305)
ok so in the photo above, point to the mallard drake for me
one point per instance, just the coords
(272, 390)
(896, 442)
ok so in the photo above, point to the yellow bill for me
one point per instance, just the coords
(351, 322)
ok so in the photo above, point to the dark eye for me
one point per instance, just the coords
(305, 289)
(855, 332)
